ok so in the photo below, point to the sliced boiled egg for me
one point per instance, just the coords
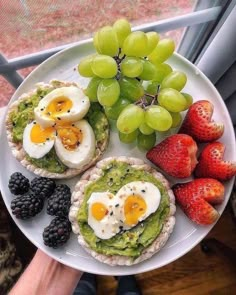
(75, 144)
(65, 104)
(38, 141)
(100, 215)
(135, 202)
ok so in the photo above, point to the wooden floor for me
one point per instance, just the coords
(196, 273)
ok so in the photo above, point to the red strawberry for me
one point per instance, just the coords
(176, 155)
(195, 197)
(211, 163)
(198, 123)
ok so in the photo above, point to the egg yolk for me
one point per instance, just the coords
(134, 207)
(58, 106)
(70, 136)
(40, 135)
(99, 211)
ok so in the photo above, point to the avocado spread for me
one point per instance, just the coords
(25, 114)
(131, 242)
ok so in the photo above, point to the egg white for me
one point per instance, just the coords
(80, 106)
(148, 191)
(35, 150)
(84, 153)
(109, 225)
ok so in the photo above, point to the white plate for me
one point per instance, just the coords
(186, 234)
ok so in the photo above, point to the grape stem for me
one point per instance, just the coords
(119, 59)
(118, 62)
(144, 103)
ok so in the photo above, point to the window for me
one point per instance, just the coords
(30, 26)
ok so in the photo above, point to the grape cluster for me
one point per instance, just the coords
(131, 81)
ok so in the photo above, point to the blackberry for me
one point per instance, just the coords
(62, 188)
(18, 184)
(57, 232)
(59, 202)
(42, 186)
(27, 206)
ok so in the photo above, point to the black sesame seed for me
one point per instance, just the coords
(41, 109)
(68, 111)
(34, 122)
(117, 205)
(111, 213)
(58, 118)
(143, 191)
(127, 170)
(120, 227)
(73, 125)
(14, 124)
(47, 138)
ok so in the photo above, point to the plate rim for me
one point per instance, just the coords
(147, 268)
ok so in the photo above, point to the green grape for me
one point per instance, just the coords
(131, 88)
(104, 66)
(163, 51)
(189, 100)
(146, 142)
(131, 67)
(149, 70)
(153, 39)
(136, 44)
(91, 90)
(175, 80)
(130, 119)
(162, 70)
(123, 29)
(128, 138)
(176, 119)
(95, 42)
(108, 41)
(145, 129)
(114, 111)
(172, 100)
(108, 92)
(158, 118)
(152, 87)
(84, 67)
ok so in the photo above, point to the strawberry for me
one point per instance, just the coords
(198, 123)
(176, 155)
(195, 197)
(211, 163)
